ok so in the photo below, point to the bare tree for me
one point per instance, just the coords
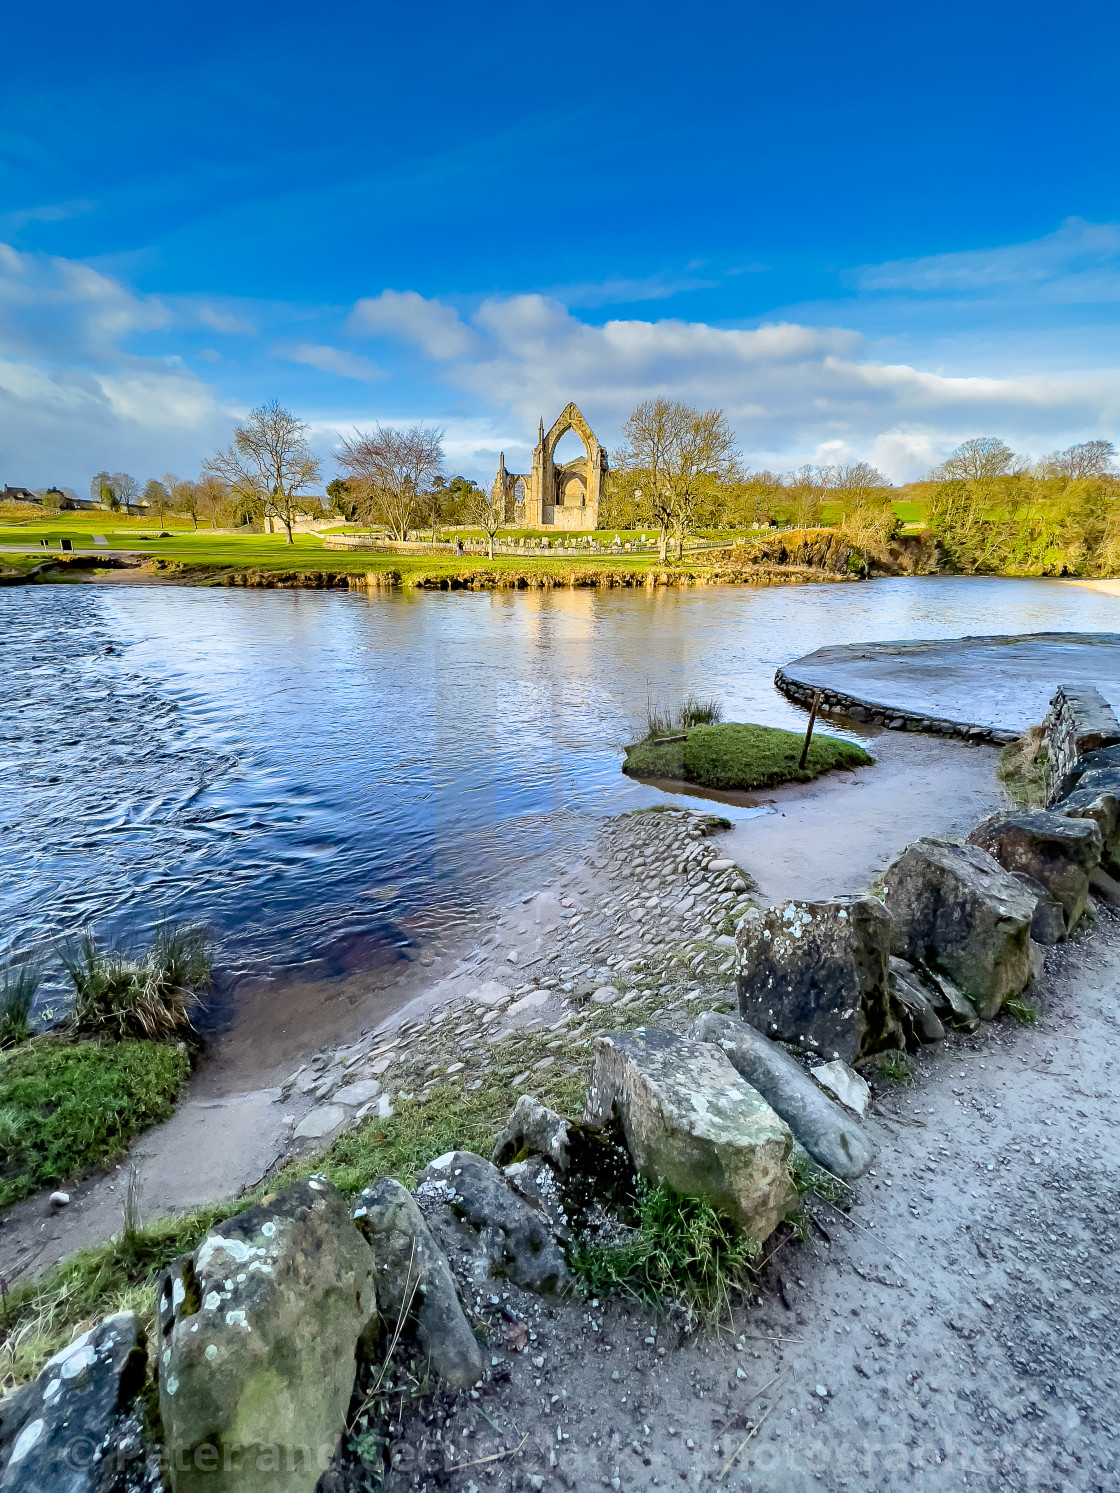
(488, 510)
(981, 459)
(672, 458)
(864, 495)
(270, 463)
(1089, 459)
(101, 491)
(184, 496)
(125, 489)
(859, 478)
(157, 498)
(392, 474)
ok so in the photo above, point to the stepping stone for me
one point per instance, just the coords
(357, 1094)
(320, 1122)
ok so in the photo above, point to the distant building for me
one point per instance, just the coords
(552, 495)
(18, 495)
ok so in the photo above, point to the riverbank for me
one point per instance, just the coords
(923, 1332)
(586, 929)
(203, 559)
(396, 572)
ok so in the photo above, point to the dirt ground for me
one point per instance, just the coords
(955, 1332)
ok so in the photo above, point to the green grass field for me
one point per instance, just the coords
(205, 556)
(741, 756)
(184, 550)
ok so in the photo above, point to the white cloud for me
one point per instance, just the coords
(1078, 263)
(426, 324)
(51, 212)
(619, 290)
(73, 397)
(791, 391)
(229, 323)
(334, 360)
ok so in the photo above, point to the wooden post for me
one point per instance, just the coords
(809, 730)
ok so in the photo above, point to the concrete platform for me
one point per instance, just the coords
(989, 688)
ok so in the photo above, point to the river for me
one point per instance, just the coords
(330, 780)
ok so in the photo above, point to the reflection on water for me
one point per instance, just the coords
(320, 775)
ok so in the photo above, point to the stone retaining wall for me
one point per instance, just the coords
(851, 707)
(1080, 720)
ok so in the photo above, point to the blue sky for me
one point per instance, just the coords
(861, 230)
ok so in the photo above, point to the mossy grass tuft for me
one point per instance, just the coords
(682, 1250)
(18, 989)
(1020, 1010)
(65, 1107)
(895, 1067)
(741, 756)
(696, 710)
(149, 998)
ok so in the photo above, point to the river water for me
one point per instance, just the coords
(326, 778)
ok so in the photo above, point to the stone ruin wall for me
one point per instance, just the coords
(1080, 720)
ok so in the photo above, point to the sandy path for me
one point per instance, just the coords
(835, 835)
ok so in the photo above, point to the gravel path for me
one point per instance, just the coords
(956, 1331)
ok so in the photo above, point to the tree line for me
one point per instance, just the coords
(676, 471)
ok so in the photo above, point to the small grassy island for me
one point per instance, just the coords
(739, 756)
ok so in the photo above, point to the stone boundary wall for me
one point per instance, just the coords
(1080, 720)
(850, 707)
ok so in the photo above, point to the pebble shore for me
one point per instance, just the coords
(645, 925)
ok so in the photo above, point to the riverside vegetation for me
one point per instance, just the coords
(74, 1096)
(676, 477)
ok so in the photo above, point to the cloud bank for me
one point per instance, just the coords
(96, 373)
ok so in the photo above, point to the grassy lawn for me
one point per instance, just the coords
(206, 557)
(67, 1107)
(741, 756)
(185, 552)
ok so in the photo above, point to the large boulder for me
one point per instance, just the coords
(486, 1228)
(956, 910)
(415, 1284)
(65, 1431)
(1103, 808)
(831, 1137)
(260, 1331)
(1055, 850)
(1098, 776)
(692, 1122)
(815, 973)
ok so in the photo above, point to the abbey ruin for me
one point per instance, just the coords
(552, 495)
